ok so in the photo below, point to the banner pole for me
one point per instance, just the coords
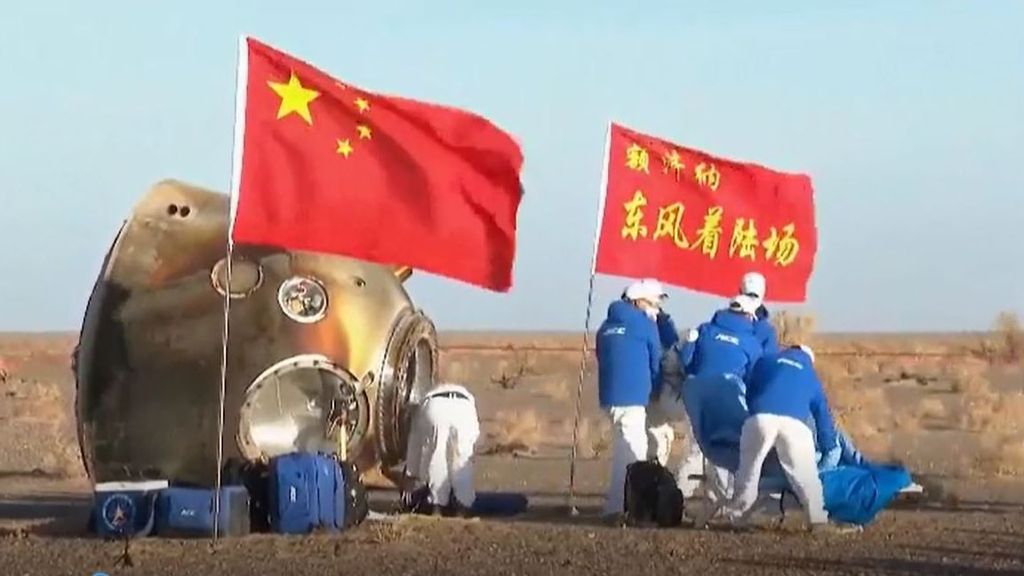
(241, 82)
(573, 510)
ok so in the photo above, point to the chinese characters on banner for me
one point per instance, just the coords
(700, 222)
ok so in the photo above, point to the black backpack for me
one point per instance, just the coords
(357, 504)
(652, 496)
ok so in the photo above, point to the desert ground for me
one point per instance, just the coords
(950, 407)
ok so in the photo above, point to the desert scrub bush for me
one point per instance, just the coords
(512, 373)
(792, 328)
(1009, 337)
(516, 431)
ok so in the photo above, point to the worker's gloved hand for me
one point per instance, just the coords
(830, 459)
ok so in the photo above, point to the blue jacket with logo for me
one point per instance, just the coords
(628, 356)
(727, 344)
(765, 332)
(785, 384)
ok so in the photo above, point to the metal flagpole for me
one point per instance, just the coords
(586, 329)
(241, 82)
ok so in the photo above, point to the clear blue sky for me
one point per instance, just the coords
(908, 115)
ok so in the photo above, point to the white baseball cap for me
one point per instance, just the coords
(646, 289)
(753, 283)
(745, 303)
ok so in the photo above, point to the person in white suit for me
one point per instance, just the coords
(442, 439)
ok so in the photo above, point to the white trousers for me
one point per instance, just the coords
(660, 433)
(670, 408)
(794, 444)
(442, 439)
(629, 444)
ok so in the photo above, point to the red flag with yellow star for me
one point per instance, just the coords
(325, 166)
(700, 221)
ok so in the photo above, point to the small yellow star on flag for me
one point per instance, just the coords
(362, 104)
(364, 132)
(344, 147)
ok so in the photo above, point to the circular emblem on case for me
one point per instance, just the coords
(118, 513)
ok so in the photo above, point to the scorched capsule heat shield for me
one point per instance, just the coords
(314, 340)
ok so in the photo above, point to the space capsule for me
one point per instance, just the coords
(323, 352)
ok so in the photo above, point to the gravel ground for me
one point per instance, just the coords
(923, 539)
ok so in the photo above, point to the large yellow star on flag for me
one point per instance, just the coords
(294, 98)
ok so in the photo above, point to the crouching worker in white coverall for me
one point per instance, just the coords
(628, 361)
(442, 439)
(783, 391)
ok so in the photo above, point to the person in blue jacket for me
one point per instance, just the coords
(783, 392)
(754, 285)
(628, 363)
(727, 344)
(724, 348)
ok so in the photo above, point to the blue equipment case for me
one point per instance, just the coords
(125, 509)
(190, 512)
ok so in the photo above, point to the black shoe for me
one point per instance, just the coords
(432, 510)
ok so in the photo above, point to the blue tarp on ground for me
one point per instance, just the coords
(855, 492)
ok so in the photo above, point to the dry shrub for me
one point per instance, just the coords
(891, 369)
(388, 532)
(38, 402)
(792, 328)
(454, 370)
(1007, 414)
(929, 370)
(998, 420)
(931, 413)
(861, 409)
(861, 366)
(963, 375)
(874, 444)
(594, 438)
(1009, 337)
(513, 371)
(846, 400)
(1001, 455)
(516, 431)
(978, 404)
(601, 442)
(555, 389)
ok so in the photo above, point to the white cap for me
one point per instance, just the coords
(745, 303)
(646, 289)
(807, 350)
(753, 283)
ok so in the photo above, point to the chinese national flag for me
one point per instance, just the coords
(325, 166)
(700, 222)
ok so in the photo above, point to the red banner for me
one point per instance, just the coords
(700, 222)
